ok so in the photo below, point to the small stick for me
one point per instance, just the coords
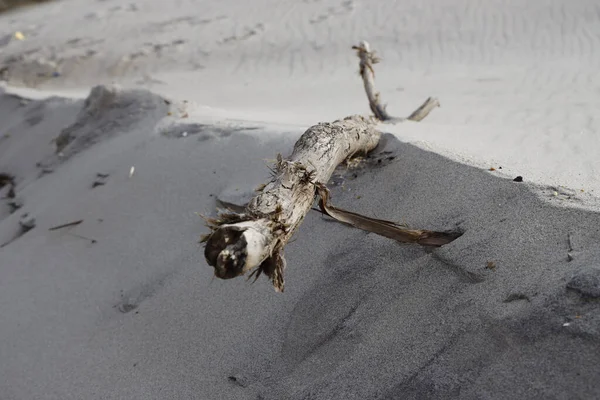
(55, 228)
(424, 110)
(367, 59)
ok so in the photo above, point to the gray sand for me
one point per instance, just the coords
(501, 313)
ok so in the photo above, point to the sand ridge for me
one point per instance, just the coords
(123, 304)
(517, 77)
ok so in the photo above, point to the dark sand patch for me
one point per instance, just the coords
(363, 317)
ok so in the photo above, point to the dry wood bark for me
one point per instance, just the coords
(255, 239)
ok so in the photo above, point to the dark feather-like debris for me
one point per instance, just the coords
(381, 227)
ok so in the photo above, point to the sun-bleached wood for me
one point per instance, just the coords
(254, 239)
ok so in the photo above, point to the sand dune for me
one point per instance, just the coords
(121, 304)
(521, 75)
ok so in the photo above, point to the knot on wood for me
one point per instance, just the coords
(226, 250)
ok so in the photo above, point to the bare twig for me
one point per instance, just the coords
(68, 224)
(367, 60)
(424, 109)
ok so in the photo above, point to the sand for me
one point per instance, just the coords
(123, 305)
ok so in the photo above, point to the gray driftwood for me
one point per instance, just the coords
(254, 240)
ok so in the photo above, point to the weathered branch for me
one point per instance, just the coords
(367, 60)
(254, 239)
(241, 242)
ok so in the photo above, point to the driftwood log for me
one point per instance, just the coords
(254, 240)
(241, 242)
